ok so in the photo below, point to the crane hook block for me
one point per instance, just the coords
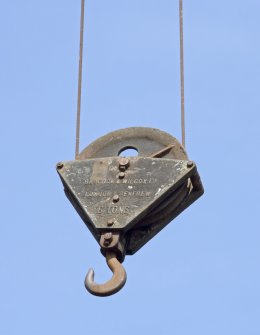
(126, 201)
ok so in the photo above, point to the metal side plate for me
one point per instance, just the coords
(106, 199)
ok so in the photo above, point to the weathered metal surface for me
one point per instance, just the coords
(168, 211)
(102, 195)
(146, 196)
(147, 141)
(118, 194)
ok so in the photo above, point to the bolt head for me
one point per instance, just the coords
(121, 175)
(124, 163)
(115, 198)
(190, 164)
(110, 222)
(59, 165)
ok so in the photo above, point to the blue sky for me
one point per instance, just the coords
(201, 274)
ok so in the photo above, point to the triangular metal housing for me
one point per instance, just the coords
(102, 195)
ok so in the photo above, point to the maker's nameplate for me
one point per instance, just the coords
(103, 194)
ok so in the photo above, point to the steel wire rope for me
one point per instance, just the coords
(182, 74)
(82, 15)
(183, 131)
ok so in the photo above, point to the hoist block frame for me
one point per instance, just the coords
(181, 191)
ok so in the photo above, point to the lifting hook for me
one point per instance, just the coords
(114, 284)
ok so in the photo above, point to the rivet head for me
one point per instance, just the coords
(115, 198)
(59, 165)
(110, 222)
(124, 163)
(121, 175)
(190, 164)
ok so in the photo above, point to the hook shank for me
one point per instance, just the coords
(114, 284)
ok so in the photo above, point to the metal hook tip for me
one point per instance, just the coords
(89, 278)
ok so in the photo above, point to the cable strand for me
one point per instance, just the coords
(182, 74)
(80, 78)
